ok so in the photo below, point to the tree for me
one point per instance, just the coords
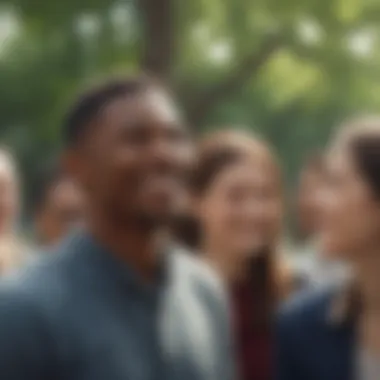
(289, 69)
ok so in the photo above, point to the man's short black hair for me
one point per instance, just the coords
(88, 105)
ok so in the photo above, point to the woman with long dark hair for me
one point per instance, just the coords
(334, 334)
(235, 223)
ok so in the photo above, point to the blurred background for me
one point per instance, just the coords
(289, 69)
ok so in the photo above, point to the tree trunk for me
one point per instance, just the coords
(158, 50)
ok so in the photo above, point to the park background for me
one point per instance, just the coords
(290, 70)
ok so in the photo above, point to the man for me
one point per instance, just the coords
(12, 251)
(117, 301)
(59, 207)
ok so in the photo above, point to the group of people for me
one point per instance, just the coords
(162, 257)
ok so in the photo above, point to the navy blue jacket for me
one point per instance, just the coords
(309, 344)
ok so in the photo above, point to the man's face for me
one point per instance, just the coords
(134, 162)
(63, 208)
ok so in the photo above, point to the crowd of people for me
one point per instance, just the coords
(161, 255)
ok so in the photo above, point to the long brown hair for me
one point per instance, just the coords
(216, 152)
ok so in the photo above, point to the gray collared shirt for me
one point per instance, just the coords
(368, 366)
(83, 314)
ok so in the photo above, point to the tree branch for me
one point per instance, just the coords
(249, 66)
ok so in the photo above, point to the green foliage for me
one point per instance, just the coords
(326, 68)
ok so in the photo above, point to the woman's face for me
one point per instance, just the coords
(350, 215)
(241, 210)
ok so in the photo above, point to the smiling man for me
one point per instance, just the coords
(118, 301)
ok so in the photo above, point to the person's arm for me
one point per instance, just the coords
(228, 354)
(210, 291)
(217, 301)
(24, 343)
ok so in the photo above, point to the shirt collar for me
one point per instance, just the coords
(104, 263)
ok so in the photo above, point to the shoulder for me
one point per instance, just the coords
(198, 277)
(34, 301)
(306, 311)
(38, 284)
(195, 271)
(21, 313)
(27, 329)
(202, 289)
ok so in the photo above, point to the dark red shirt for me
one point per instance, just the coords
(253, 343)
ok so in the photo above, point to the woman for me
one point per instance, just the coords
(335, 334)
(236, 225)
